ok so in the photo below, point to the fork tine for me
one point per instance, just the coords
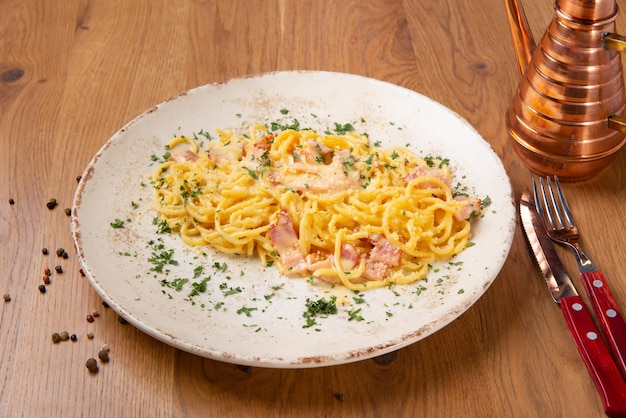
(542, 203)
(554, 205)
(567, 212)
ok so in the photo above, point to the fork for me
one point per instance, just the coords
(561, 227)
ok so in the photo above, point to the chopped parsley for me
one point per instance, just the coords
(118, 223)
(320, 307)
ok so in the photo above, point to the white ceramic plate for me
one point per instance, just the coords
(263, 324)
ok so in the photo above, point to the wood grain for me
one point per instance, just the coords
(73, 72)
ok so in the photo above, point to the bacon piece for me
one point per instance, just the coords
(470, 210)
(285, 241)
(349, 259)
(442, 174)
(383, 256)
(183, 156)
(375, 271)
(337, 176)
(384, 252)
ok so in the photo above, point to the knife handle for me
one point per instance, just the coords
(607, 378)
(611, 320)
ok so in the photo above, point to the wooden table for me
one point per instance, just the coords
(73, 72)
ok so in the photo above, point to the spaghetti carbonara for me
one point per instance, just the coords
(326, 206)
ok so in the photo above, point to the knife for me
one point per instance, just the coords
(603, 370)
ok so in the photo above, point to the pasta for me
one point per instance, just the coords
(327, 206)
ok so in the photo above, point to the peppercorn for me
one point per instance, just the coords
(65, 255)
(103, 355)
(46, 279)
(11, 201)
(78, 179)
(62, 253)
(90, 318)
(42, 288)
(58, 269)
(64, 335)
(68, 211)
(82, 273)
(44, 251)
(122, 320)
(339, 396)
(47, 271)
(7, 297)
(56, 337)
(92, 365)
(105, 347)
(106, 305)
(52, 203)
(73, 337)
(95, 313)
(90, 335)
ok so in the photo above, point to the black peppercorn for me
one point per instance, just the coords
(44, 251)
(92, 365)
(42, 288)
(52, 203)
(103, 355)
(58, 269)
(11, 201)
(73, 337)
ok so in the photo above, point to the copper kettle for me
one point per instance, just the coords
(564, 118)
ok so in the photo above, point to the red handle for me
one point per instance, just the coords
(604, 372)
(611, 320)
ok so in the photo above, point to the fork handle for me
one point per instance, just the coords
(611, 320)
(607, 378)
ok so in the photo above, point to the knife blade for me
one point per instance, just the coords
(595, 354)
